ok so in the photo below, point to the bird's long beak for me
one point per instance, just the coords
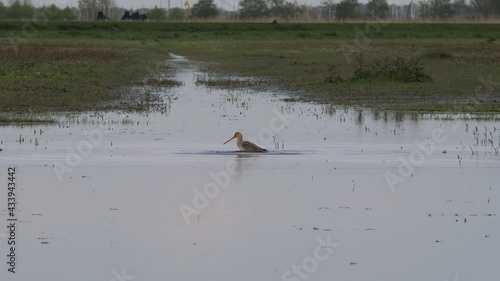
(228, 140)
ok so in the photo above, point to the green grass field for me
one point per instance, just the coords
(59, 66)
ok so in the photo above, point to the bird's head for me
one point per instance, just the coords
(237, 135)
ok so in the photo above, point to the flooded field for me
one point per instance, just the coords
(343, 194)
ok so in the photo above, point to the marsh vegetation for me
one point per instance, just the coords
(65, 66)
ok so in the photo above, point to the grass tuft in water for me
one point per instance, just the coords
(228, 83)
(25, 119)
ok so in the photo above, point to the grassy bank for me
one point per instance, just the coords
(45, 71)
(351, 63)
(83, 65)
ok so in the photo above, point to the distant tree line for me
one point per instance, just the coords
(24, 10)
(257, 9)
(423, 9)
(88, 9)
(329, 10)
(458, 9)
(346, 10)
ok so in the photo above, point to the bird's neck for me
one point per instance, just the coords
(239, 142)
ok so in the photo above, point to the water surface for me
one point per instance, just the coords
(100, 193)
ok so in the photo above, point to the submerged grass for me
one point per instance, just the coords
(87, 65)
(222, 82)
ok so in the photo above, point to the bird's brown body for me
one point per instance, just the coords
(246, 145)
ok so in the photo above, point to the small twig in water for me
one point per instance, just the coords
(463, 146)
(485, 136)
(475, 133)
(495, 148)
(276, 144)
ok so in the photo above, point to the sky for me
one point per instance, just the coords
(229, 4)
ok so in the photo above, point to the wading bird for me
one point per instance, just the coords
(245, 145)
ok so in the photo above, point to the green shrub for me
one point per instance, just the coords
(393, 68)
(437, 55)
